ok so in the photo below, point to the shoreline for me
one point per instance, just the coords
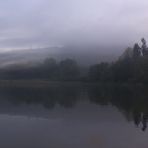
(48, 83)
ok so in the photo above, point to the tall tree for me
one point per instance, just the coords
(144, 47)
(136, 50)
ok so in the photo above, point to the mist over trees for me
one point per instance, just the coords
(50, 69)
(132, 66)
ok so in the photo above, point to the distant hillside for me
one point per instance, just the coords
(26, 56)
(35, 56)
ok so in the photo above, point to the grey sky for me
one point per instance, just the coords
(39, 23)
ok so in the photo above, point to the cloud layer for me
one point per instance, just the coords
(39, 23)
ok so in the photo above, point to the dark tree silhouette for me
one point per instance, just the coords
(144, 47)
(69, 70)
(136, 50)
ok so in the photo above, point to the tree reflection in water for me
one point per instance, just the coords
(131, 100)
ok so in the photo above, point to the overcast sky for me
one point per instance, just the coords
(39, 23)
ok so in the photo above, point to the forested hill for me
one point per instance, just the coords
(83, 55)
(131, 66)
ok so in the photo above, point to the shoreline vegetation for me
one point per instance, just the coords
(131, 68)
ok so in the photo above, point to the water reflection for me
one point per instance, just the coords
(141, 118)
(132, 101)
(46, 96)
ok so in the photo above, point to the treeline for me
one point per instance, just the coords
(65, 70)
(132, 66)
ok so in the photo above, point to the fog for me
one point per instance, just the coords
(42, 23)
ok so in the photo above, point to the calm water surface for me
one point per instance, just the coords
(74, 116)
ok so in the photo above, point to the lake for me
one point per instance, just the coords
(74, 116)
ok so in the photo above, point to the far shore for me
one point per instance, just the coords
(36, 83)
(47, 83)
